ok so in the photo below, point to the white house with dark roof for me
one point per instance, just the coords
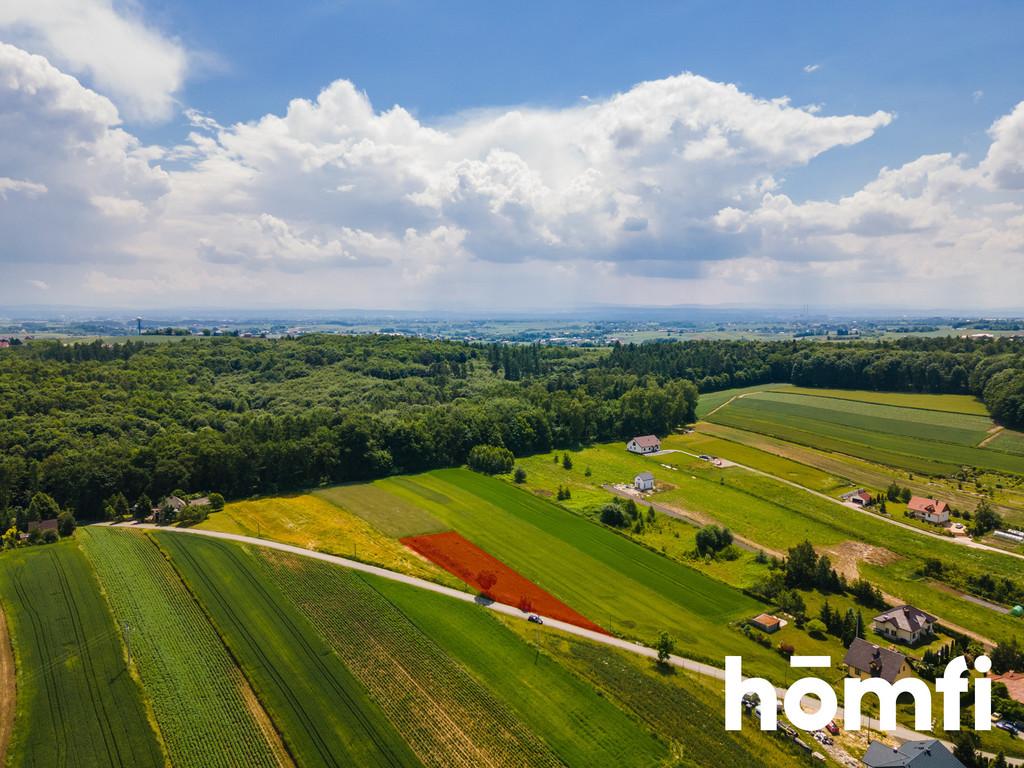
(644, 444)
(904, 624)
(644, 482)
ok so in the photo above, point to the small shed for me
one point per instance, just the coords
(767, 623)
(644, 482)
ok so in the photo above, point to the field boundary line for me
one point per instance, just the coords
(888, 405)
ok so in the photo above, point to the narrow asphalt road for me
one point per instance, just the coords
(697, 667)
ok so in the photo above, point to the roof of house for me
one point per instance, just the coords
(176, 502)
(646, 441)
(644, 476)
(928, 753)
(921, 504)
(42, 525)
(906, 617)
(874, 660)
(858, 492)
(766, 620)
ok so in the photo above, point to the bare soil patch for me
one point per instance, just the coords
(8, 688)
(847, 554)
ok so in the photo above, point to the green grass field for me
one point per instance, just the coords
(450, 713)
(611, 580)
(581, 727)
(686, 707)
(777, 516)
(387, 513)
(860, 471)
(807, 476)
(921, 440)
(967, 404)
(180, 658)
(324, 714)
(77, 703)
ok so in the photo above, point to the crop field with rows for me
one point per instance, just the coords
(447, 716)
(916, 439)
(77, 704)
(206, 711)
(324, 714)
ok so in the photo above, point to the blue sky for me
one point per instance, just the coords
(523, 152)
(924, 61)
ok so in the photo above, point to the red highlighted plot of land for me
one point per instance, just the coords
(467, 561)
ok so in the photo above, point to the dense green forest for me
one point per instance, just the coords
(83, 422)
(244, 416)
(992, 369)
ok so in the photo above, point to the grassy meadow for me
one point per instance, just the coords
(581, 727)
(613, 581)
(448, 717)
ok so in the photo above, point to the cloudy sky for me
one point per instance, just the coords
(389, 154)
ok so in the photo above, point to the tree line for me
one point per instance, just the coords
(249, 416)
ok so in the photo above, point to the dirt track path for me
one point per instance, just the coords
(8, 688)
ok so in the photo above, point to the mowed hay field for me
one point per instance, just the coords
(921, 440)
(613, 581)
(77, 704)
(324, 714)
(313, 522)
(389, 514)
(208, 714)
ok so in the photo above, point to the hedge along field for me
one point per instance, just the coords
(902, 437)
(208, 714)
(613, 581)
(582, 727)
(77, 703)
(448, 717)
(323, 713)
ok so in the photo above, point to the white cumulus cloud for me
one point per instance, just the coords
(136, 65)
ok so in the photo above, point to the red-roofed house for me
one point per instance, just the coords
(929, 510)
(644, 444)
